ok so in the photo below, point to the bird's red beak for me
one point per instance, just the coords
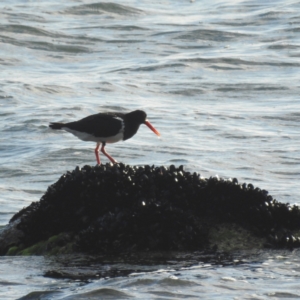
(151, 127)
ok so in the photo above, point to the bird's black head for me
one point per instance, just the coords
(137, 117)
(133, 120)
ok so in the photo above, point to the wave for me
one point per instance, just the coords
(103, 8)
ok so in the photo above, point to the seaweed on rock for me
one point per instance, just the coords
(115, 208)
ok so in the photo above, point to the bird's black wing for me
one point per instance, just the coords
(99, 125)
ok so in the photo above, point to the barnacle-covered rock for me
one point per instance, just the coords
(117, 208)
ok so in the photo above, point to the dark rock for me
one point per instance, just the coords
(10, 236)
(117, 208)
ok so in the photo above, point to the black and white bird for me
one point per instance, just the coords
(106, 128)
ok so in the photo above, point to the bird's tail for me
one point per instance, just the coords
(56, 125)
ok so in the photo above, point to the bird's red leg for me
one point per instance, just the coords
(97, 153)
(107, 155)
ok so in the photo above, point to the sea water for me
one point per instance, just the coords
(218, 79)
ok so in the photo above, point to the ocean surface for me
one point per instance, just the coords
(218, 79)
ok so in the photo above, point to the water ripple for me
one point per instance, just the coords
(211, 35)
(103, 8)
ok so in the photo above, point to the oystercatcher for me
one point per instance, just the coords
(106, 128)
